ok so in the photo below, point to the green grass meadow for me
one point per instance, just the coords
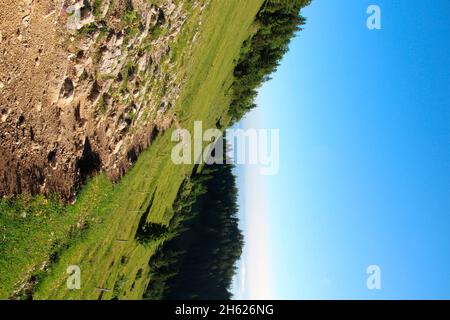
(41, 237)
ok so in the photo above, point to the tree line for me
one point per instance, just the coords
(199, 262)
(276, 22)
(199, 249)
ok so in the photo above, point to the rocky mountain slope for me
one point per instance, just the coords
(85, 86)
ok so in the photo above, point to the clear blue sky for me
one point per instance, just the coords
(364, 119)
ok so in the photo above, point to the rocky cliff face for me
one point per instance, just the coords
(85, 86)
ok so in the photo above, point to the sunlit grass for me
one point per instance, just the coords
(104, 248)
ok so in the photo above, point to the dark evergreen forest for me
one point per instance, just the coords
(199, 249)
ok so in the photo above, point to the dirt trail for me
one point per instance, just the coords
(33, 60)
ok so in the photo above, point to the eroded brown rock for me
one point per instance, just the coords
(77, 99)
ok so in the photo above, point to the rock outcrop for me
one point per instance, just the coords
(84, 85)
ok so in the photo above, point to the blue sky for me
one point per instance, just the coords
(364, 119)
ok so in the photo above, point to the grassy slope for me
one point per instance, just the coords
(112, 212)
